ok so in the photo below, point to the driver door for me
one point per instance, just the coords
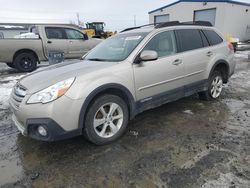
(163, 78)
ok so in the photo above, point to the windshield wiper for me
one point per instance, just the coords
(96, 59)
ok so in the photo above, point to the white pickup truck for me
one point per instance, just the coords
(25, 53)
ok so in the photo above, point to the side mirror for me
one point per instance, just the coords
(147, 55)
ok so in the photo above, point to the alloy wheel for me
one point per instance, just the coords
(108, 120)
(216, 87)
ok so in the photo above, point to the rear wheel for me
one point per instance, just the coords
(215, 87)
(25, 62)
(106, 119)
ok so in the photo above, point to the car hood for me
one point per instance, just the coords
(48, 76)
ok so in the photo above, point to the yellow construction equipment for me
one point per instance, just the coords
(96, 30)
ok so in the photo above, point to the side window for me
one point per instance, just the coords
(55, 33)
(164, 44)
(213, 37)
(189, 39)
(74, 34)
(204, 39)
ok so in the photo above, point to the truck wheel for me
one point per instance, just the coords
(25, 62)
(106, 120)
(215, 87)
(11, 65)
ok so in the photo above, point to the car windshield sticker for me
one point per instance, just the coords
(133, 38)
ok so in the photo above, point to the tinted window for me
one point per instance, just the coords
(164, 44)
(73, 34)
(213, 37)
(55, 33)
(189, 39)
(204, 39)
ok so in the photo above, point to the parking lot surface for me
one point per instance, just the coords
(187, 143)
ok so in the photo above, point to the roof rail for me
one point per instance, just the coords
(132, 28)
(176, 23)
(201, 23)
(167, 24)
(173, 23)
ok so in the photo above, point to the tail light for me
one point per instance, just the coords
(231, 47)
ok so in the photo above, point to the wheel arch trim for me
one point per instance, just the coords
(25, 50)
(218, 62)
(95, 92)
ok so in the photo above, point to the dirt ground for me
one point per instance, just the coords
(187, 143)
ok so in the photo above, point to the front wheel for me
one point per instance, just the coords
(106, 119)
(215, 87)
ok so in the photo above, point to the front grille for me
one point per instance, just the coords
(17, 95)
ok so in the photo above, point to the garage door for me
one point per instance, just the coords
(162, 18)
(205, 15)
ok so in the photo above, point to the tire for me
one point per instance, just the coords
(11, 65)
(107, 128)
(215, 87)
(25, 62)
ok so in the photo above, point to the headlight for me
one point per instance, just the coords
(51, 93)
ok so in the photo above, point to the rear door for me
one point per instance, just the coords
(56, 40)
(78, 45)
(194, 53)
(164, 78)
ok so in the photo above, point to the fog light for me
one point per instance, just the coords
(42, 131)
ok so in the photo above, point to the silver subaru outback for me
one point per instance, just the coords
(136, 70)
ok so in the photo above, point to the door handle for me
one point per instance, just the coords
(209, 54)
(70, 42)
(177, 62)
(49, 42)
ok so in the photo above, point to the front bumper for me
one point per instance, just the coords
(60, 118)
(54, 131)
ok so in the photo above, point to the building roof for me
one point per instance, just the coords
(194, 1)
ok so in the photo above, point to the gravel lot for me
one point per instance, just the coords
(187, 143)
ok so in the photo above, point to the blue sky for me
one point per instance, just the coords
(116, 14)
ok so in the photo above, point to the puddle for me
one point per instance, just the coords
(11, 171)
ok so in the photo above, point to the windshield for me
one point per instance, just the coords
(117, 48)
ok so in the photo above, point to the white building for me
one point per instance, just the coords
(232, 18)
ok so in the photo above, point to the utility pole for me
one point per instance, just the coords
(135, 20)
(78, 18)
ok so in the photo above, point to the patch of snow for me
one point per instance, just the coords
(26, 35)
(227, 180)
(5, 90)
(134, 133)
(240, 79)
(12, 26)
(233, 104)
(188, 112)
(11, 78)
(242, 54)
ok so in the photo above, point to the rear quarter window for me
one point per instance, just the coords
(212, 37)
(189, 39)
